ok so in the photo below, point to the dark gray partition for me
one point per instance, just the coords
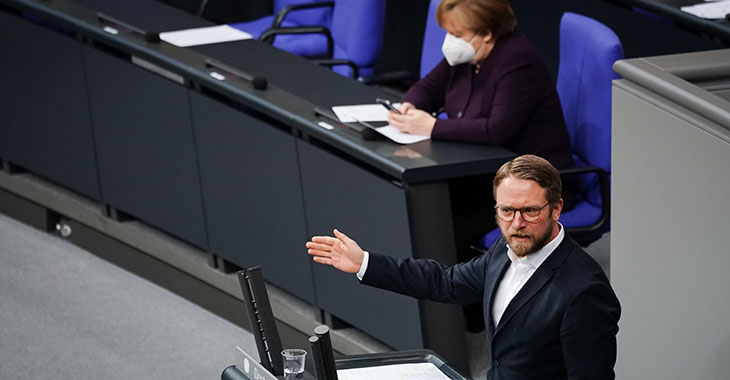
(372, 210)
(252, 193)
(146, 152)
(45, 117)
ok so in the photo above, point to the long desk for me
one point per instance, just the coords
(245, 174)
(671, 10)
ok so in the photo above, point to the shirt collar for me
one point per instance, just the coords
(537, 258)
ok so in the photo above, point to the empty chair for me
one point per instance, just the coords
(354, 37)
(294, 14)
(357, 32)
(588, 50)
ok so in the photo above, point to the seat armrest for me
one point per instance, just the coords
(394, 77)
(355, 74)
(281, 15)
(269, 34)
(604, 187)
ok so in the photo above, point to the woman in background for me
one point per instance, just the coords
(492, 84)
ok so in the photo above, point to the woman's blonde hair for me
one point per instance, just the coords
(482, 16)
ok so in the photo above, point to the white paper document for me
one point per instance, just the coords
(204, 36)
(362, 112)
(408, 371)
(710, 10)
(375, 112)
(400, 137)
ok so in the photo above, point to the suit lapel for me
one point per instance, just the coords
(538, 280)
(498, 265)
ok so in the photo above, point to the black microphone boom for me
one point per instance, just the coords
(257, 82)
(148, 35)
(365, 131)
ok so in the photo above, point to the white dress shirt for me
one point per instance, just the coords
(363, 266)
(520, 270)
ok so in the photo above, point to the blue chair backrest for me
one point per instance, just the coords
(433, 38)
(357, 30)
(317, 16)
(588, 50)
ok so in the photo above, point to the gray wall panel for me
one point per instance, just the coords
(147, 162)
(372, 211)
(252, 194)
(45, 123)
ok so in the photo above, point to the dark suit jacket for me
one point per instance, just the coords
(511, 102)
(561, 325)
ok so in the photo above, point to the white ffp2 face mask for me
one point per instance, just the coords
(457, 51)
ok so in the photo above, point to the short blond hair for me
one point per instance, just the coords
(532, 168)
(482, 16)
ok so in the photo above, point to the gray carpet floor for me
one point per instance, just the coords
(66, 314)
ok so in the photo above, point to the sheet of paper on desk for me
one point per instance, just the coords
(406, 371)
(375, 112)
(400, 137)
(710, 10)
(363, 112)
(204, 36)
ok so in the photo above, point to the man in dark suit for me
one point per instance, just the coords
(549, 309)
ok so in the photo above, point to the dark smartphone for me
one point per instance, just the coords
(386, 103)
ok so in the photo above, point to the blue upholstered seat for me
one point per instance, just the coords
(291, 17)
(348, 38)
(357, 31)
(433, 38)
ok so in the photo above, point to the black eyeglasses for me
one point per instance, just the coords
(529, 214)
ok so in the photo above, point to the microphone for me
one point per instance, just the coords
(257, 82)
(318, 358)
(327, 358)
(233, 373)
(148, 36)
(365, 130)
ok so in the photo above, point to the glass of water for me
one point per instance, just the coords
(293, 363)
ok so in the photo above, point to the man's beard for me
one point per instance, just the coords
(527, 247)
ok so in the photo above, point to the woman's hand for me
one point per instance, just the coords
(412, 120)
(405, 107)
(339, 251)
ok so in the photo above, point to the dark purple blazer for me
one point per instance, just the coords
(511, 102)
(561, 325)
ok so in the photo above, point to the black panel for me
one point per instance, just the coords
(45, 123)
(372, 211)
(148, 15)
(145, 145)
(24, 210)
(231, 11)
(252, 194)
(405, 22)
